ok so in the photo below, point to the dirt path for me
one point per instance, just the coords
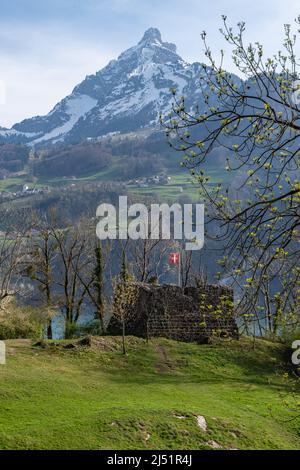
(163, 363)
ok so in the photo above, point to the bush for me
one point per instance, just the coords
(21, 323)
(289, 335)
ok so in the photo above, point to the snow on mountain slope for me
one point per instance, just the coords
(76, 107)
(7, 134)
(126, 95)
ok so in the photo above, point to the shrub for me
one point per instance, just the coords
(18, 322)
(289, 335)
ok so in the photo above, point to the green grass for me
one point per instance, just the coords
(14, 183)
(169, 193)
(182, 184)
(91, 398)
(109, 174)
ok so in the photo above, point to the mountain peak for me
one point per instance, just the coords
(151, 35)
(126, 95)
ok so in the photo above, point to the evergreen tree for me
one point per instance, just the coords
(98, 284)
(124, 273)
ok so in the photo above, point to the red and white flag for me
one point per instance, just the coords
(174, 258)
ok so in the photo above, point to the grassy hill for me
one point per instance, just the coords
(67, 396)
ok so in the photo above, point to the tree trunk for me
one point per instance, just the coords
(123, 338)
(49, 329)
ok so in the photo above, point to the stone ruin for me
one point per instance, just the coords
(190, 314)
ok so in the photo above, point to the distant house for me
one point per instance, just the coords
(151, 181)
(164, 179)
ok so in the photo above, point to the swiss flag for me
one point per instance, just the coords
(174, 258)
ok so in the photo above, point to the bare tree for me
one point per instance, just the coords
(125, 294)
(40, 265)
(13, 243)
(72, 260)
(148, 258)
(186, 267)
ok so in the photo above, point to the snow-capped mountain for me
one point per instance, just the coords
(126, 95)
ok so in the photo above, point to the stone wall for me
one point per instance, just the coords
(186, 314)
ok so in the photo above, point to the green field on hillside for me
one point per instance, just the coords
(14, 183)
(181, 184)
(53, 397)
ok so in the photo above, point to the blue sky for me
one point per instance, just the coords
(48, 46)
